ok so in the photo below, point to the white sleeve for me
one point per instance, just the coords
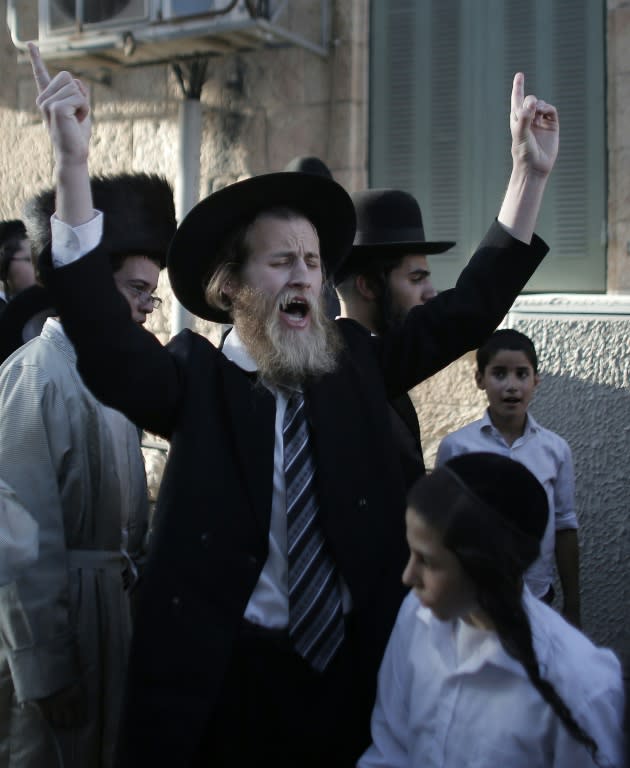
(390, 718)
(601, 716)
(446, 451)
(564, 492)
(70, 243)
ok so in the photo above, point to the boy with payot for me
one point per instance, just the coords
(507, 371)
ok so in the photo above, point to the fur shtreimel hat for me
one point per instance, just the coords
(507, 487)
(12, 228)
(195, 251)
(139, 215)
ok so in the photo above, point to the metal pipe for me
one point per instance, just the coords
(187, 184)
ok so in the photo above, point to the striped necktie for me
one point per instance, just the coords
(315, 611)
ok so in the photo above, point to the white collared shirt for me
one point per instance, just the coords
(449, 696)
(548, 457)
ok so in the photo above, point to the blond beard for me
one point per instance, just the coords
(285, 356)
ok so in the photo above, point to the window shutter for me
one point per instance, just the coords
(441, 73)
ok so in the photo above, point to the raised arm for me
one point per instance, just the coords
(125, 366)
(535, 130)
(64, 104)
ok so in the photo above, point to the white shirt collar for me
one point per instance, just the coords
(235, 351)
(485, 423)
(482, 646)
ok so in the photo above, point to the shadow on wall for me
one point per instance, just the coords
(595, 420)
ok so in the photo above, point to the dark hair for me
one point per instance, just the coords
(233, 254)
(118, 259)
(506, 338)
(491, 513)
(8, 249)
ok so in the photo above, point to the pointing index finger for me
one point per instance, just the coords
(42, 78)
(518, 92)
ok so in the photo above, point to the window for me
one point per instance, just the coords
(441, 73)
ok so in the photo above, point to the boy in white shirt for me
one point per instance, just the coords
(507, 370)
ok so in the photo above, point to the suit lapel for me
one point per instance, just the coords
(251, 413)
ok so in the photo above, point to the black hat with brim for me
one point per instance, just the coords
(195, 249)
(389, 225)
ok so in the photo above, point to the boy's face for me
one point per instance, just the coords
(509, 382)
(435, 574)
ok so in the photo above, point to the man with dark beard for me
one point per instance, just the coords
(239, 658)
(386, 275)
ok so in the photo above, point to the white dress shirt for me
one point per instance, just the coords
(548, 458)
(269, 602)
(449, 696)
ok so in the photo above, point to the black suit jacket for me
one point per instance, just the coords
(212, 521)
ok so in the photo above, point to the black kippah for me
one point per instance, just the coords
(505, 486)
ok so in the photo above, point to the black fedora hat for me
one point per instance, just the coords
(192, 257)
(389, 223)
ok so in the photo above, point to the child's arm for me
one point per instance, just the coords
(568, 564)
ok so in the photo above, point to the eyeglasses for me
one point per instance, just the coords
(145, 296)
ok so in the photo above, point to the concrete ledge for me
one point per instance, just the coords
(573, 305)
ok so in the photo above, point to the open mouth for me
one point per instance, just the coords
(296, 308)
(511, 400)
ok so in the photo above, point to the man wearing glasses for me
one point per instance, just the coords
(16, 265)
(77, 467)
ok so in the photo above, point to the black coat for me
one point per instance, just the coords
(212, 522)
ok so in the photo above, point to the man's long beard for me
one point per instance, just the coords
(285, 356)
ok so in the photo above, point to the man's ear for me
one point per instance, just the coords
(228, 288)
(365, 287)
(479, 379)
(536, 380)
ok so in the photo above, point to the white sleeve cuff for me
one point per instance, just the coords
(70, 243)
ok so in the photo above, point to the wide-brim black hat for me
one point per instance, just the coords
(389, 223)
(139, 215)
(194, 251)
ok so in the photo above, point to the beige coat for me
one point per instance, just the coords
(77, 468)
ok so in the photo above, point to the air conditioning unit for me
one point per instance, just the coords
(64, 17)
(136, 32)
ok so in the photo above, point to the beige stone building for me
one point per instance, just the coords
(310, 92)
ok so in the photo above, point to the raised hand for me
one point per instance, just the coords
(63, 102)
(535, 130)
